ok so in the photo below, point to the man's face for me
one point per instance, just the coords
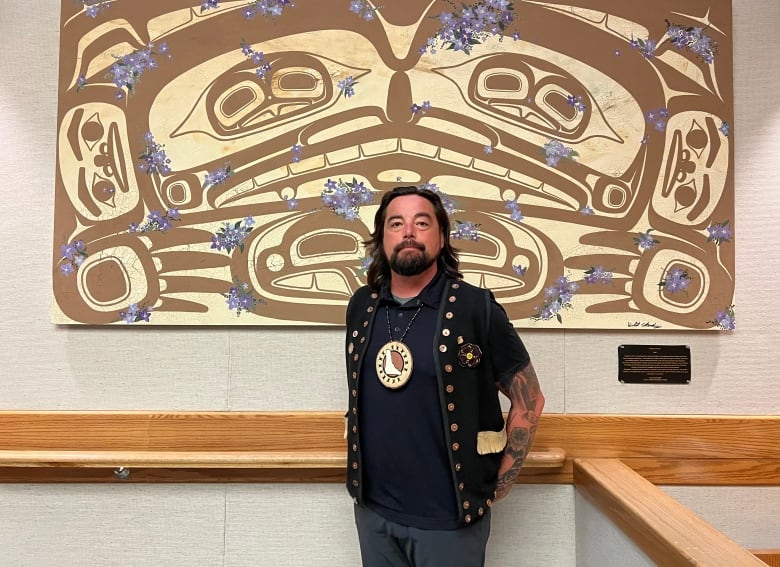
(412, 235)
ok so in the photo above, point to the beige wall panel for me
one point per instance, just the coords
(600, 543)
(749, 516)
(533, 526)
(102, 369)
(290, 525)
(287, 369)
(78, 525)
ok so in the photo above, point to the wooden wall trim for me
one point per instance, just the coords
(769, 556)
(664, 529)
(694, 450)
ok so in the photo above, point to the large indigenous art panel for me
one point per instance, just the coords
(220, 162)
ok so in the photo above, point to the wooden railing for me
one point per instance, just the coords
(668, 532)
(309, 447)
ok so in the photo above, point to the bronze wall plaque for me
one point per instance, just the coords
(654, 364)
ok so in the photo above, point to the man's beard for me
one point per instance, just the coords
(411, 263)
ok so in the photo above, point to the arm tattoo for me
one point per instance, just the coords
(527, 403)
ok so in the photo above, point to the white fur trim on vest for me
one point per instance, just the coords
(491, 442)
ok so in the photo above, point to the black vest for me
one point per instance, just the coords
(468, 395)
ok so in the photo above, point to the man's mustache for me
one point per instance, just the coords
(409, 243)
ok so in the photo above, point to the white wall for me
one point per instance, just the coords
(46, 367)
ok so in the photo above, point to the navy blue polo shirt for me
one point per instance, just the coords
(406, 470)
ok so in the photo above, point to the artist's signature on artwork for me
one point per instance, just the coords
(646, 324)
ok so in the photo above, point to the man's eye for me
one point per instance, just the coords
(422, 224)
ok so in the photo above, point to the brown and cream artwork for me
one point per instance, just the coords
(221, 162)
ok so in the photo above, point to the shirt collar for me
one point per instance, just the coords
(430, 295)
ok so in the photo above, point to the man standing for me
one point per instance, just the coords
(427, 354)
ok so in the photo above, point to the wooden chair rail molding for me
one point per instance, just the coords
(668, 532)
(85, 446)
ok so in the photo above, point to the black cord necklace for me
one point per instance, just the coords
(394, 359)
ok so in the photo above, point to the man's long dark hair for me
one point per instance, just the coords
(379, 270)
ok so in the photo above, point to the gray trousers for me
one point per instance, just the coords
(386, 544)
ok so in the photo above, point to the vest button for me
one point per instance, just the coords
(354, 393)
(442, 348)
(489, 502)
(456, 447)
(370, 308)
(454, 427)
(446, 332)
(354, 466)
(468, 518)
(451, 406)
(449, 315)
(354, 446)
(466, 504)
(481, 511)
(458, 467)
(461, 486)
(450, 388)
(354, 483)
(448, 367)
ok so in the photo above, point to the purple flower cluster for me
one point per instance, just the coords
(134, 314)
(719, 233)
(587, 210)
(221, 175)
(446, 200)
(345, 198)
(658, 118)
(292, 203)
(645, 241)
(576, 102)
(93, 7)
(725, 320)
(471, 25)
(519, 270)
(465, 230)
(297, 152)
(365, 263)
(73, 255)
(126, 72)
(555, 150)
(363, 9)
(693, 39)
(421, 108)
(258, 58)
(268, 8)
(347, 87)
(725, 129)
(597, 274)
(515, 215)
(208, 5)
(81, 82)
(232, 236)
(155, 160)
(556, 298)
(240, 298)
(156, 221)
(645, 46)
(675, 280)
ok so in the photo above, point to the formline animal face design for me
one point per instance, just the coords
(214, 169)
